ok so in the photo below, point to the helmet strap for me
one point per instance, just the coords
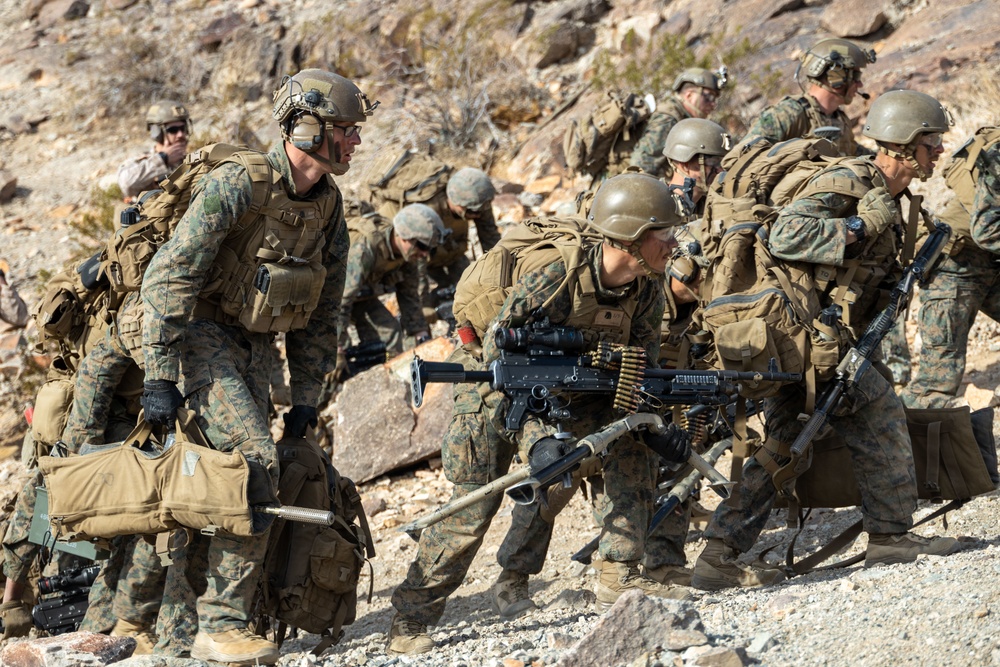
(633, 249)
(908, 154)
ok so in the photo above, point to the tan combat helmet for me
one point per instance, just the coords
(628, 204)
(308, 105)
(692, 137)
(834, 63)
(421, 223)
(470, 188)
(899, 117)
(699, 76)
(161, 113)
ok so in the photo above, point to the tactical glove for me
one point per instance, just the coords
(546, 452)
(160, 400)
(878, 210)
(674, 445)
(298, 418)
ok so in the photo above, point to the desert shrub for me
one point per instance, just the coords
(97, 220)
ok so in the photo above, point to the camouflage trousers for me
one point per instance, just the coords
(896, 352)
(213, 580)
(477, 450)
(963, 286)
(374, 323)
(443, 276)
(871, 422)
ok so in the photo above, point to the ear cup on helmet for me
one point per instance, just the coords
(156, 133)
(684, 269)
(306, 133)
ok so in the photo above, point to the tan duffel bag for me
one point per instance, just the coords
(140, 487)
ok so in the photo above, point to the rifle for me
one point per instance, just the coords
(65, 600)
(680, 492)
(539, 359)
(857, 361)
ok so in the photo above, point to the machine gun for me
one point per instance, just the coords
(362, 357)
(539, 361)
(64, 600)
(857, 361)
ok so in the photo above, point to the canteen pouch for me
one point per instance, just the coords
(283, 297)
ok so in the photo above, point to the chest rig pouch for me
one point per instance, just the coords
(269, 275)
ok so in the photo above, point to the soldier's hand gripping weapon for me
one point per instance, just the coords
(857, 361)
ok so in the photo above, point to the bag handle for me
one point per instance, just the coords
(187, 430)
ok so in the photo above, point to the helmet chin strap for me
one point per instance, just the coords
(633, 249)
(909, 155)
(333, 162)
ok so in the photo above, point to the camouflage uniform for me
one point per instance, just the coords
(373, 268)
(648, 152)
(225, 379)
(797, 117)
(142, 173)
(810, 230)
(477, 450)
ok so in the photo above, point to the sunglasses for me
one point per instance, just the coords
(421, 246)
(709, 95)
(175, 129)
(348, 130)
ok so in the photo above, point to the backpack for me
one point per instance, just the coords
(760, 310)
(485, 284)
(603, 138)
(407, 177)
(146, 225)
(74, 309)
(961, 174)
(312, 571)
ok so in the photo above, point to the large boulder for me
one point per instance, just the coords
(81, 649)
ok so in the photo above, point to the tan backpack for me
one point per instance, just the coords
(75, 304)
(407, 177)
(760, 310)
(147, 224)
(961, 174)
(606, 136)
(312, 571)
(484, 286)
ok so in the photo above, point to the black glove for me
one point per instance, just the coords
(421, 338)
(546, 452)
(160, 400)
(298, 418)
(674, 445)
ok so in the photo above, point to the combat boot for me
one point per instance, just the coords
(675, 575)
(891, 548)
(717, 568)
(144, 638)
(619, 577)
(408, 637)
(510, 594)
(237, 647)
(16, 618)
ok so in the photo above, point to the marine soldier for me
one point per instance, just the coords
(833, 69)
(694, 148)
(966, 280)
(612, 277)
(169, 127)
(696, 92)
(383, 257)
(826, 228)
(228, 277)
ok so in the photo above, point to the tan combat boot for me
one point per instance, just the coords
(674, 575)
(717, 568)
(408, 637)
(890, 548)
(144, 638)
(510, 594)
(616, 578)
(237, 647)
(16, 618)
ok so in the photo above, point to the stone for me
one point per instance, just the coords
(121, 4)
(395, 28)
(219, 30)
(373, 505)
(640, 26)
(854, 18)
(635, 625)
(544, 186)
(761, 642)
(8, 186)
(81, 649)
(65, 10)
(553, 43)
(719, 656)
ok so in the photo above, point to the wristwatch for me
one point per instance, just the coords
(857, 226)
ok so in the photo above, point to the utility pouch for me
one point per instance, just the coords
(52, 406)
(130, 251)
(283, 297)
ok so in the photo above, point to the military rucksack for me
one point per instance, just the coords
(147, 224)
(759, 309)
(406, 178)
(485, 284)
(75, 306)
(961, 174)
(312, 571)
(606, 136)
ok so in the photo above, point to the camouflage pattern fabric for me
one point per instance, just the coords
(963, 286)
(986, 207)
(795, 117)
(141, 173)
(871, 420)
(225, 382)
(896, 351)
(372, 269)
(648, 152)
(874, 428)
